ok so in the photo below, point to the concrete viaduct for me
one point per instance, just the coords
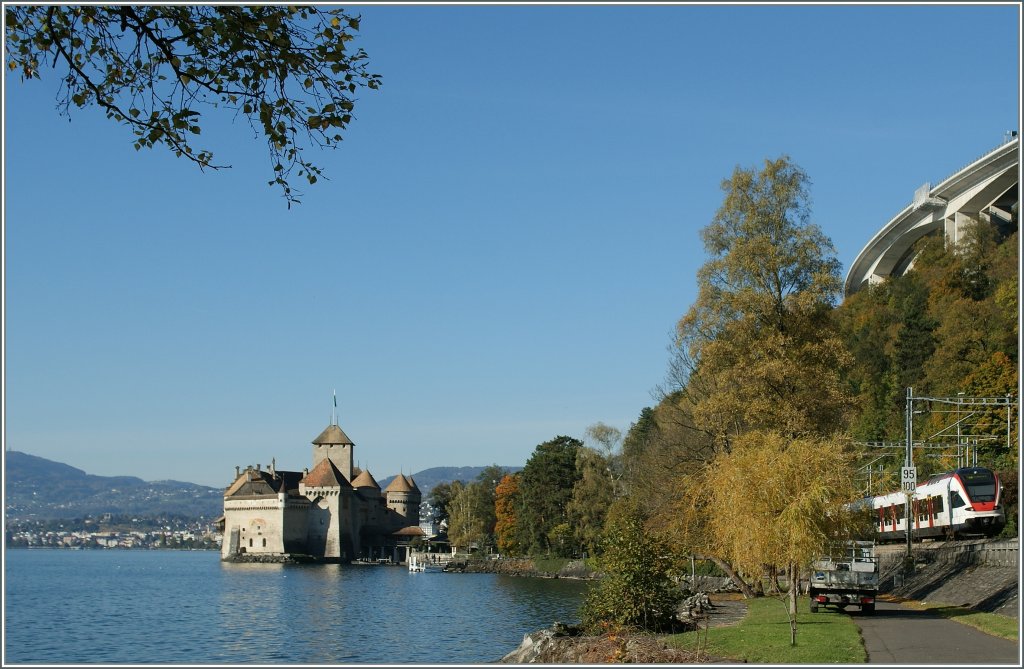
(987, 189)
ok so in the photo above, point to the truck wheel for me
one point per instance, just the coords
(814, 606)
(867, 609)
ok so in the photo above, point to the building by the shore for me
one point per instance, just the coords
(332, 511)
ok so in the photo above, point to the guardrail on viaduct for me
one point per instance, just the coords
(1003, 553)
(988, 553)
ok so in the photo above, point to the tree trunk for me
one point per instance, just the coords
(794, 586)
(731, 573)
(773, 580)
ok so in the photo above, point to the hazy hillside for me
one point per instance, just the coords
(37, 488)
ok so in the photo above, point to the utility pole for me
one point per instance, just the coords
(959, 402)
(909, 477)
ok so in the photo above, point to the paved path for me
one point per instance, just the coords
(896, 634)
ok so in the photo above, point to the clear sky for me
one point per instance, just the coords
(507, 239)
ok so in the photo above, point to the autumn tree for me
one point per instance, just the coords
(289, 71)
(604, 438)
(759, 344)
(592, 495)
(506, 525)
(949, 325)
(465, 527)
(472, 509)
(772, 500)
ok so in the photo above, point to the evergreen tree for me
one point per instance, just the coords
(546, 485)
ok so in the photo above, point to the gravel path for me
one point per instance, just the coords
(729, 610)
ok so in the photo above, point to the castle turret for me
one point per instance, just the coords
(403, 497)
(334, 445)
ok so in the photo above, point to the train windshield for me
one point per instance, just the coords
(981, 484)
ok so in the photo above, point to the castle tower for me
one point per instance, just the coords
(329, 521)
(334, 445)
(403, 497)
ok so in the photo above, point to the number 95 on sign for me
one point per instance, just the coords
(908, 476)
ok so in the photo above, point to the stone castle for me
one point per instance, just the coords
(331, 511)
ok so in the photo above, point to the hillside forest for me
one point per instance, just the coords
(782, 403)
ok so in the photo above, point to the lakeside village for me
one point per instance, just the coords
(118, 531)
(99, 533)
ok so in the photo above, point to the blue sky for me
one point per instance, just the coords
(508, 236)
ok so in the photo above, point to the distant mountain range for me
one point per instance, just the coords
(42, 489)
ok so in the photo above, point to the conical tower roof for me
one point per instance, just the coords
(333, 435)
(412, 484)
(399, 484)
(365, 480)
(326, 475)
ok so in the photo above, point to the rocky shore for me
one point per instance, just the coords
(522, 567)
(566, 644)
(286, 558)
(556, 646)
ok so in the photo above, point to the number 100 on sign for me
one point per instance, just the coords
(908, 475)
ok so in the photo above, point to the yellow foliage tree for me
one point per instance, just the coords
(778, 501)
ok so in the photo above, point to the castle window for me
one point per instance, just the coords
(264, 542)
(250, 543)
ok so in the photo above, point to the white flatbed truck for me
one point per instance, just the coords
(846, 577)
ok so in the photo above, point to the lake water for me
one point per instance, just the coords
(166, 607)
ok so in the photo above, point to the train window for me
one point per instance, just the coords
(955, 501)
(937, 507)
(981, 484)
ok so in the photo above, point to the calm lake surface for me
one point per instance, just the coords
(166, 607)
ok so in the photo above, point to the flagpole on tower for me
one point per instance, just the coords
(334, 412)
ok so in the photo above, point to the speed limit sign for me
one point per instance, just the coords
(908, 476)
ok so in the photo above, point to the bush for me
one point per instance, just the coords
(637, 589)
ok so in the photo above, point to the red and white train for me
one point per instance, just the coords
(964, 502)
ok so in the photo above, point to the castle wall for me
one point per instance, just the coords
(348, 537)
(296, 520)
(259, 523)
(329, 525)
(322, 525)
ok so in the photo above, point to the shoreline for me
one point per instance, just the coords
(527, 567)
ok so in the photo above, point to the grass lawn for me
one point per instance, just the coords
(989, 623)
(762, 637)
